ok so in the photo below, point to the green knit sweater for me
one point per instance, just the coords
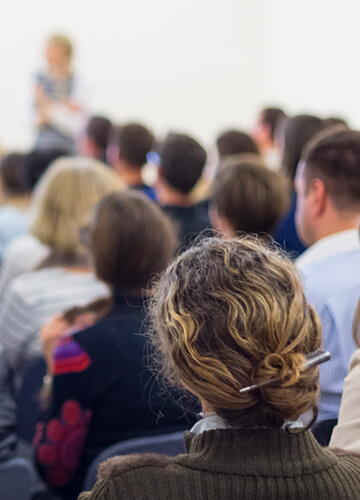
(234, 464)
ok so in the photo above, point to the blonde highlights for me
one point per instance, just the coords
(232, 313)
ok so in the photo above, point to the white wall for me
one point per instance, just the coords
(194, 65)
(311, 56)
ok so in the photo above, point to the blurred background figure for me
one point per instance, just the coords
(265, 135)
(247, 197)
(94, 141)
(182, 161)
(235, 142)
(295, 134)
(15, 199)
(128, 148)
(58, 98)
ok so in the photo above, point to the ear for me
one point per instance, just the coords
(220, 223)
(317, 197)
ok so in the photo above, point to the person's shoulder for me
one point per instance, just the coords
(120, 465)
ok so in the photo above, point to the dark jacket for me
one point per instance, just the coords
(102, 394)
(232, 465)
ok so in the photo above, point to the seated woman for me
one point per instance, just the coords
(347, 432)
(67, 193)
(234, 328)
(102, 392)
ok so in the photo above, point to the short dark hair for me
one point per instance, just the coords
(272, 117)
(135, 141)
(38, 161)
(131, 240)
(12, 173)
(98, 129)
(182, 162)
(249, 195)
(334, 121)
(334, 157)
(234, 142)
(297, 132)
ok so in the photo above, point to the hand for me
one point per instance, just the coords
(50, 333)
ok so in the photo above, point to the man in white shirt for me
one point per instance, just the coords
(327, 220)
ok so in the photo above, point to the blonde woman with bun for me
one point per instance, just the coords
(233, 327)
(346, 433)
(64, 199)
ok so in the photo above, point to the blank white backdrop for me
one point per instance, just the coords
(195, 65)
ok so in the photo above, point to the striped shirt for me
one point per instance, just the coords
(32, 299)
(21, 255)
(331, 276)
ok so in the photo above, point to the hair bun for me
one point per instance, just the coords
(284, 367)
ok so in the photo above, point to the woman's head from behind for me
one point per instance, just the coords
(65, 197)
(232, 313)
(297, 132)
(131, 240)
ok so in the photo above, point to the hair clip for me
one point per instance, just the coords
(312, 359)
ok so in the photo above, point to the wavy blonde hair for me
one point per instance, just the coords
(232, 313)
(65, 197)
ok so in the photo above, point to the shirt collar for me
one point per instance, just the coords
(330, 246)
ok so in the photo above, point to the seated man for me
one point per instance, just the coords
(129, 146)
(182, 163)
(247, 197)
(327, 219)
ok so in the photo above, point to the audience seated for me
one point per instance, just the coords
(182, 161)
(15, 199)
(65, 195)
(247, 197)
(297, 131)
(102, 392)
(234, 142)
(233, 327)
(130, 146)
(94, 141)
(264, 134)
(327, 220)
(346, 434)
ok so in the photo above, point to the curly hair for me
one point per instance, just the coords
(229, 313)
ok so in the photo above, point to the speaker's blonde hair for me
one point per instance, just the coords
(232, 313)
(64, 198)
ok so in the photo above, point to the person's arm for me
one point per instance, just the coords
(19, 328)
(346, 434)
(62, 429)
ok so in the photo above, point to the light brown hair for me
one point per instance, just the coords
(249, 195)
(63, 42)
(232, 313)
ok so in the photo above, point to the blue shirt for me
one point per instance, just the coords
(13, 223)
(331, 276)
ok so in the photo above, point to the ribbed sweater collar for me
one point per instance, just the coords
(262, 452)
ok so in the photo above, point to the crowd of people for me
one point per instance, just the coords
(160, 292)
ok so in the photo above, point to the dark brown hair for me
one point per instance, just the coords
(334, 157)
(131, 240)
(249, 195)
(232, 313)
(182, 162)
(235, 142)
(12, 173)
(135, 141)
(297, 133)
(272, 117)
